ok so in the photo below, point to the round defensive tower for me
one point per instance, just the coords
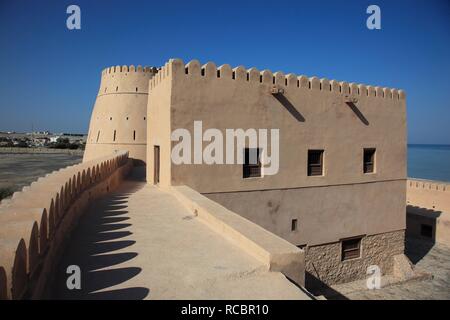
(118, 120)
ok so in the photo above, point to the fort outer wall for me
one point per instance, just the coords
(36, 223)
(118, 120)
(312, 113)
(428, 206)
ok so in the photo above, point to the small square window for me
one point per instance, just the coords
(426, 231)
(369, 160)
(252, 163)
(351, 249)
(315, 162)
(294, 224)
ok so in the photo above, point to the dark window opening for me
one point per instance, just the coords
(426, 231)
(315, 162)
(351, 248)
(117, 88)
(369, 160)
(98, 135)
(294, 224)
(134, 134)
(233, 75)
(114, 137)
(252, 164)
(203, 72)
(144, 118)
(218, 73)
(136, 89)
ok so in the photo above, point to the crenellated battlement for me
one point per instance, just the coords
(428, 185)
(126, 79)
(280, 79)
(120, 69)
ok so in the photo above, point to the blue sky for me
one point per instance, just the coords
(50, 75)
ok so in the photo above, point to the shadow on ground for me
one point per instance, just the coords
(99, 244)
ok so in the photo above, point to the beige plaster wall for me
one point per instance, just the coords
(121, 106)
(329, 124)
(159, 130)
(325, 214)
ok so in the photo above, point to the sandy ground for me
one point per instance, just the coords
(18, 170)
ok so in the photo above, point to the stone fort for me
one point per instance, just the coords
(336, 206)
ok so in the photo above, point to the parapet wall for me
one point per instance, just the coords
(428, 206)
(276, 254)
(433, 195)
(36, 222)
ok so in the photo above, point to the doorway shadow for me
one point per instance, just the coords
(420, 232)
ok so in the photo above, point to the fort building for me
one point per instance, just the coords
(341, 186)
(335, 206)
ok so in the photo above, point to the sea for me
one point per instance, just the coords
(429, 161)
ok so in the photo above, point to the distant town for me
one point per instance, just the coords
(42, 139)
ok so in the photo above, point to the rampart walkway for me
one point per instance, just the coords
(141, 243)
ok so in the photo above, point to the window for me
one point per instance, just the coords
(98, 135)
(369, 160)
(114, 138)
(426, 231)
(294, 224)
(252, 165)
(134, 134)
(351, 248)
(315, 162)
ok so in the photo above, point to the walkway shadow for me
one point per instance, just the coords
(99, 244)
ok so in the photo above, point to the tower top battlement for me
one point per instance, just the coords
(126, 79)
(125, 69)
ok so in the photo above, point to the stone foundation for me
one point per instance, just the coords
(325, 266)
